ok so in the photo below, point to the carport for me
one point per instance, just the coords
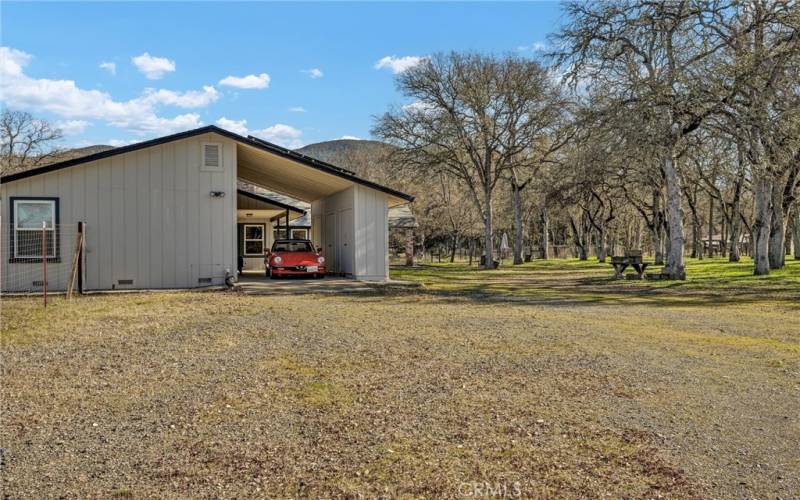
(259, 219)
(349, 215)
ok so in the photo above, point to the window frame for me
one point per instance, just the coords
(14, 257)
(245, 239)
(305, 233)
(276, 233)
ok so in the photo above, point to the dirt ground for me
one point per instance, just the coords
(412, 394)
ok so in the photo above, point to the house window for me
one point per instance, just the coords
(34, 219)
(279, 234)
(253, 239)
(300, 234)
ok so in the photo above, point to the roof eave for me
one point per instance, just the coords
(259, 144)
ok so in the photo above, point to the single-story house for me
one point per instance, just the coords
(168, 213)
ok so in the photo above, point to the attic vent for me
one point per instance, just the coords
(212, 156)
(125, 282)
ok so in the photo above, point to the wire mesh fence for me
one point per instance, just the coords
(37, 260)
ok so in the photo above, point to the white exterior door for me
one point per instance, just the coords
(345, 244)
(329, 250)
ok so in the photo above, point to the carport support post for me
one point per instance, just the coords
(287, 224)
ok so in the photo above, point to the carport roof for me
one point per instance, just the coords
(246, 141)
(268, 200)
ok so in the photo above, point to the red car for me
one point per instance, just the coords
(294, 258)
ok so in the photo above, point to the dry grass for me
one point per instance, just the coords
(412, 395)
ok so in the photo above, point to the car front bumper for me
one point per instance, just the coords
(297, 271)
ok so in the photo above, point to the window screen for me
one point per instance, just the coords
(35, 220)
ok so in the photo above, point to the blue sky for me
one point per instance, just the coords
(292, 73)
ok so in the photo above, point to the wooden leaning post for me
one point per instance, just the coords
(76, 272)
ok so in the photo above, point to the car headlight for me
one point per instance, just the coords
(277, 259)
(321, 259)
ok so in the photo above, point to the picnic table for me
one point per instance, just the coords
(632, 258)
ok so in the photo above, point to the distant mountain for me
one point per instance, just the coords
(67, 154)
(367, 159)
(330, 151)
(70, 154)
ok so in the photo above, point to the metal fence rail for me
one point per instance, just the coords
(23, 268)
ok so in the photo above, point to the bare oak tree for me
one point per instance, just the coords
(474, 118)
(654, 58)
(25, 142)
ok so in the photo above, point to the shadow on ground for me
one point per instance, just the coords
(559, 284)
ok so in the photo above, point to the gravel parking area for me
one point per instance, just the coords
(231, 395)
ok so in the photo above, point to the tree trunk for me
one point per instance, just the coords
(471, 250)
(454, 248)
(777, 231)
(697, 229)
(710, 226)
(488, 216)
(602, 251)
(763, 195)
(545, 223)
(579, 238)
(734, 252)
(409, 247)
(797, 232)
(736, 228)
(518, 234)
(658, 254)
(675, 268)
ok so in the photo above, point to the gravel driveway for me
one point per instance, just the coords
(228, 395)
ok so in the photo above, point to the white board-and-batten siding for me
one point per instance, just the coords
(149, 215)
(371, 243)
(352, 226)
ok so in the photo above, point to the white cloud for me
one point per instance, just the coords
(109, 66)
(534, 47)
(65, 99)
(235, 126)
(313, 72)
(280, 134)
(349, 138)
(297, 109)
(419, 107)
(188, 99)
(72, 127)
(399, 64)
(12, 61)
(247, 82)
(151, 67)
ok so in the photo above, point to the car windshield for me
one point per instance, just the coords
(292, 246)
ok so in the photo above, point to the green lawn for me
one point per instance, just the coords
(709, 281)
